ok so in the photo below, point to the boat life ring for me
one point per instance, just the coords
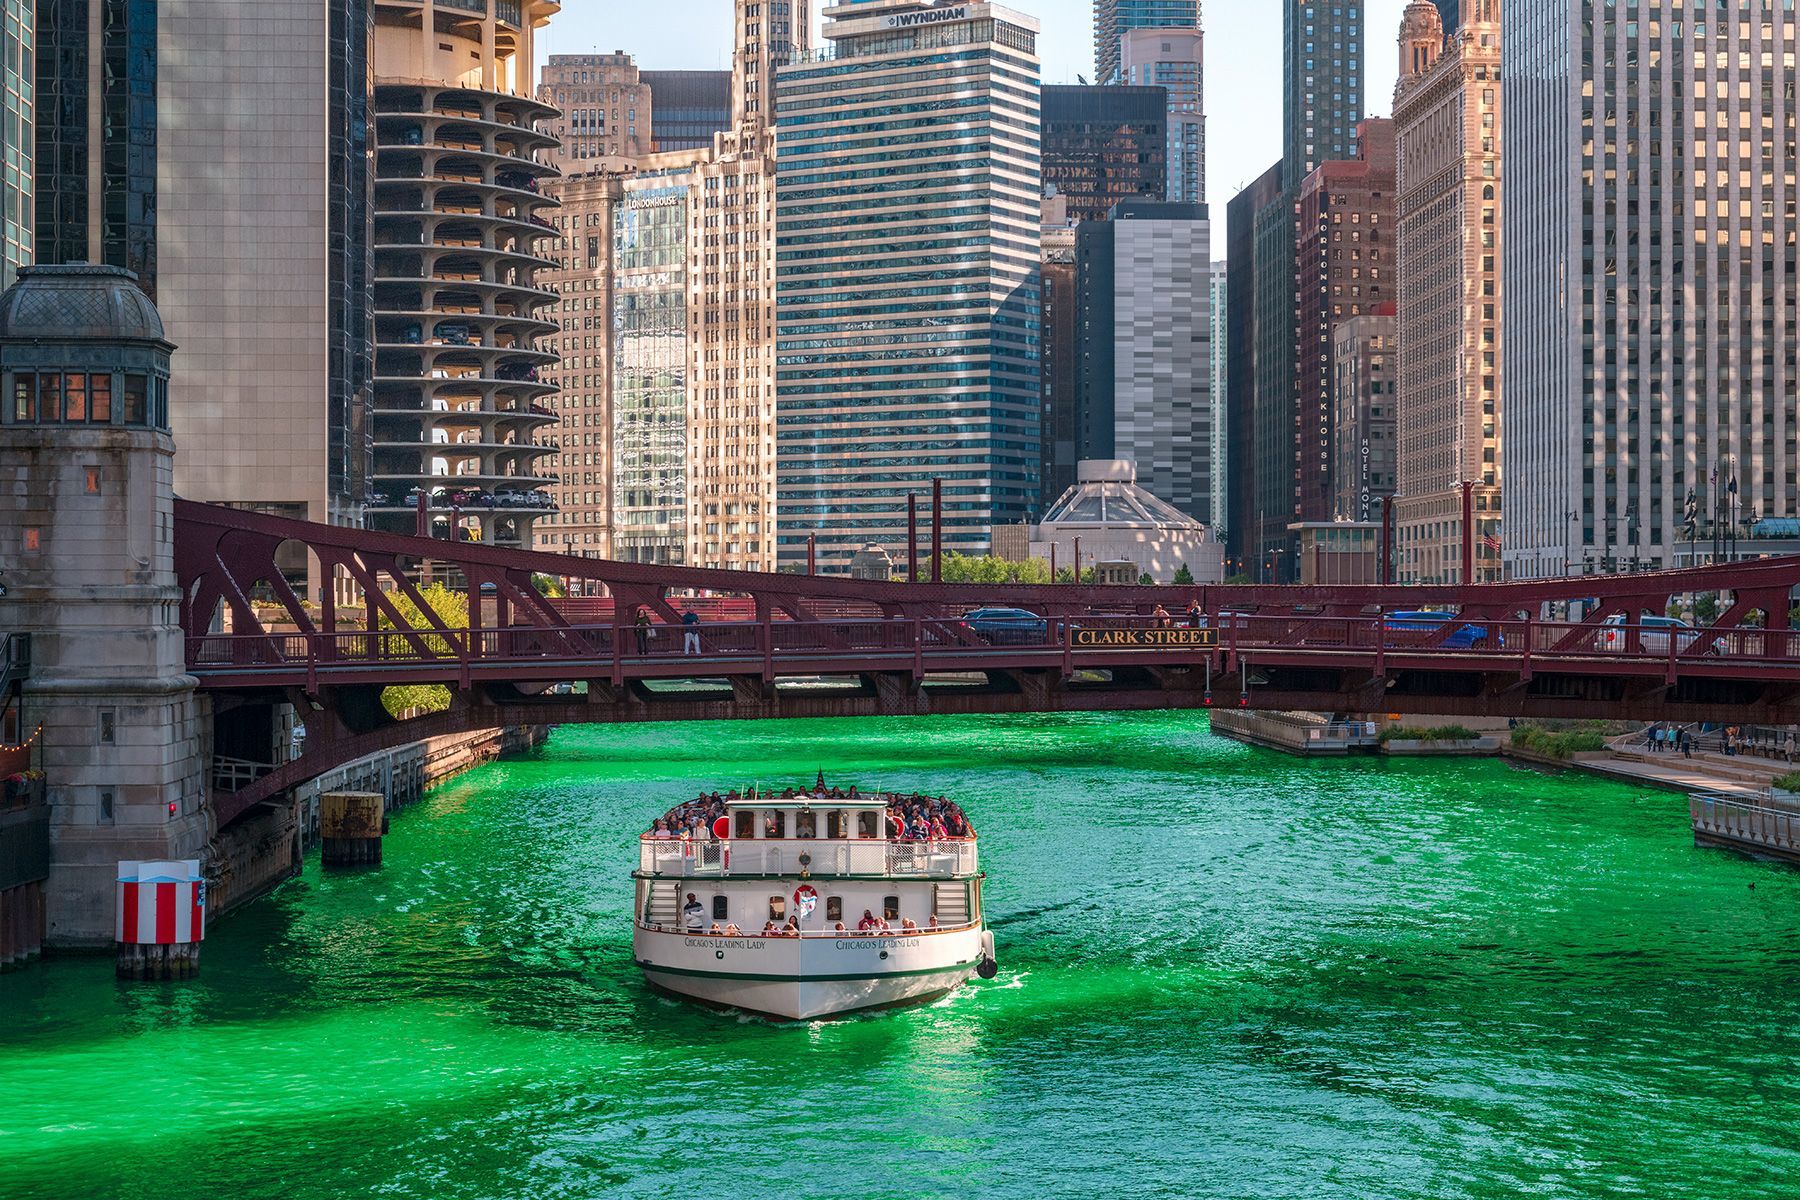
(721, 827)
(806, 898)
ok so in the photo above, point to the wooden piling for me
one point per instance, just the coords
(350, 828)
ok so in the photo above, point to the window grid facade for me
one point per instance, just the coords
(1649, 273)
(908, 276)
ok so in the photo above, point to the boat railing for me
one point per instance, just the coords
(937, 858)
(816, 934)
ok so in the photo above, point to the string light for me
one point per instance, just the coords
(24, 745)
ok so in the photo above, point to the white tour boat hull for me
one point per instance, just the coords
(804, 978)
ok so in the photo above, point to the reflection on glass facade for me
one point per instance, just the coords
(908, 310)
(650, 361)
(16, 186)
(688, 107)
(128, 129)
(62, 131)
(350, 328)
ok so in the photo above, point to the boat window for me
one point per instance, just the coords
(746, 824)
(865, 824)
(834, 824)
(721, 908)
(806, 824)
(775, 824)
(777, 908)
(834, 908)
(890, 908)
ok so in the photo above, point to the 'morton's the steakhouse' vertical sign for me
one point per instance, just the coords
(931, 16)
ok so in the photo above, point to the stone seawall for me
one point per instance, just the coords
(261, 851)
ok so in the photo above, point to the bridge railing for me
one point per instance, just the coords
(1769, 824)
(1076, 638)
(827, 857)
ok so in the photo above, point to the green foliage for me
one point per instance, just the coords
(1183, 576)
(549, 585)
(1238, 580)
(1706, 608)
(1558, 743)
(1067, 575)
(1437, 733)
(452, 610)
(1788, 783)
(965, 568)
(1144, 580)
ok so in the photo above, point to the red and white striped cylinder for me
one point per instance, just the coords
(161, 919)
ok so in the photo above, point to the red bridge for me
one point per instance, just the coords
(798, 645)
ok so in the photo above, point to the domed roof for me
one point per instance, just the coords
(78, 302)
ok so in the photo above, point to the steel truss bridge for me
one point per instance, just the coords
(786, 645)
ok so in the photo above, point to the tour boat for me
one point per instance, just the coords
(870, 912)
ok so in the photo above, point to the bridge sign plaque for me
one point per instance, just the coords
(1152, 638)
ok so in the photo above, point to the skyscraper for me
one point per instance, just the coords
(1249, 306)
(158, 150)
(1102, 145)
(1447, 110)
(1322, 80)
(1174, 60)
(1648, 273)
(1362, 423)
(909, 308)
(1114, 18)
(461, 394)
(1219, 450)
(687, 108)
(19, 104)
(604, 108)
(1344, 259)
(1144, 295)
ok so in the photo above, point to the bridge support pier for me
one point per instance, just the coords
(350, 828)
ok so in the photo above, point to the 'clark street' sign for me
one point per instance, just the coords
(1155, 638)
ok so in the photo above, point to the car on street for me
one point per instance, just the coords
(1425, 627)
(1654, 636)
(1006, 626)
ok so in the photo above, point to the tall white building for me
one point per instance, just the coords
(908, 203)
(1649, 276)
(1144, 285)
(1174, 60)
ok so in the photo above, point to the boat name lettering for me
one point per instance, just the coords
(876, 943)
(725, 943)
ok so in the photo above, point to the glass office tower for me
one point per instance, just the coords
(907, 277)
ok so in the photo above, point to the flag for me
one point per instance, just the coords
(1491, 542)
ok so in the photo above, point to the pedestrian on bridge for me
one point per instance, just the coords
(643, 631)
(690, 632)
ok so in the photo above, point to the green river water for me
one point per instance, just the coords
(1225, 973)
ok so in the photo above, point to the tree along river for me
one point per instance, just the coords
(1225, 973)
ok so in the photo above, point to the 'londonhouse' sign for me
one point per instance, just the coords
(931, 16)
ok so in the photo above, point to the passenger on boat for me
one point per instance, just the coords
(660, 831)
(770, 929)
(715, 930)
(933, 924)
(732, 930)
(693, 914)
(791, 929)
(908, 925)
(839, 928)
(869, 923)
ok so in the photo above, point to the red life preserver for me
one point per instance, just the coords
(721, 827)
(806, 892)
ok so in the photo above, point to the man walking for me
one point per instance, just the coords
(690, 632)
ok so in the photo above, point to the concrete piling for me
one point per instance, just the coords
(21, 923)
(351, 825)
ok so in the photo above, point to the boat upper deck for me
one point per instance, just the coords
(822, 832)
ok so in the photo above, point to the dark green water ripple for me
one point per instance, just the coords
(1225, 973)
